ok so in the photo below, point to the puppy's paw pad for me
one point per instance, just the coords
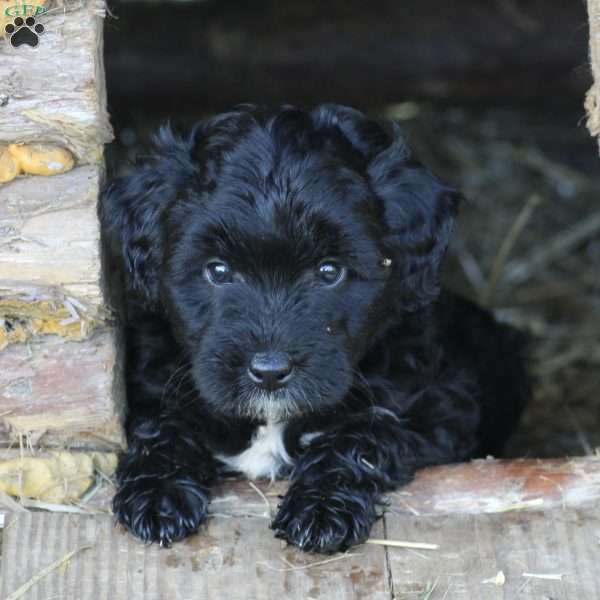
(325, 521)
(24, 31)
(162, 510)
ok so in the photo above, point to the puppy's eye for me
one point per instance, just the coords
(218, 273)
(330, 273)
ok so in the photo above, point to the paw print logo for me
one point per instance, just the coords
(24, 32)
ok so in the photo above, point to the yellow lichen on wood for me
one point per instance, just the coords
(9, 167)
(41, 159)
(21, 320)
(33, 159)
(58, 477)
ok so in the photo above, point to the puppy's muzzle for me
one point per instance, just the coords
(270, 370)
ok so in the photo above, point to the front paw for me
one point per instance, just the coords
(325, 519)
(160, 508)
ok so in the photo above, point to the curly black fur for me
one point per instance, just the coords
(390, 374)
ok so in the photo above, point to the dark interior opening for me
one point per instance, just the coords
(490, 95)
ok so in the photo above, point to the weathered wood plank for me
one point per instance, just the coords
(57, 392)
(503, 486)
(55, 92)
(50, 235)
(474, 548)
(491, 486)
(480, 486)
(235, 559)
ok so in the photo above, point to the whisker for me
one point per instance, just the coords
(171, 378)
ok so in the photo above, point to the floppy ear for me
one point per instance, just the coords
(419, 212)
(131, 212)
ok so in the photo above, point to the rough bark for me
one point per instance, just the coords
(55, 91)
(62, 393)
(60, 375)
(50, 235)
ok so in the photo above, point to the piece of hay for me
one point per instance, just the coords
(402, 544)
(499, 579)
(429, 591)
(547, 576)
(20, 593)
(520, 505)
(269, 511)
(318, 563)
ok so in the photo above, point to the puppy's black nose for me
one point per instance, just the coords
(270, 370)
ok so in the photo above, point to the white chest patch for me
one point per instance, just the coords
(265, 456)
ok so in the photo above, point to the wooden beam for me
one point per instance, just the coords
(490, 486)
(50, 234)
(480, 486)
(55, 92)
(55, 393)
(60, 372)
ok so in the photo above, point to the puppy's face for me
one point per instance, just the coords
(278, 283)
(279, 245)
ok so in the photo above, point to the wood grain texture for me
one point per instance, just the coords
(480, 486)
(495, 486)
(55, 92)
(50, 234)
(237, 559)
(474, 548)
(470, 488)
(57, 392)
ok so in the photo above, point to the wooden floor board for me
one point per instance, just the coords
(474, 548)
(540, 517)
(237, 559)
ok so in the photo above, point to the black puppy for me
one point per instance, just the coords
(284, 318)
